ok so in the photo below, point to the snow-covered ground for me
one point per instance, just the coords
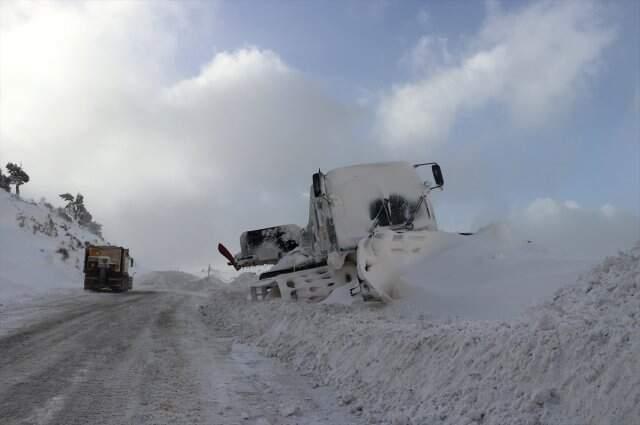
(573, 358)
(147, 357)
(39, 250)
(494, 328)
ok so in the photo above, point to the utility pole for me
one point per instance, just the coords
(209, 273)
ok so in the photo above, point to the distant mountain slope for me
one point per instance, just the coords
(39, 248)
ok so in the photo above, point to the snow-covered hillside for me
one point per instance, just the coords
(571, 358)
(39, 249)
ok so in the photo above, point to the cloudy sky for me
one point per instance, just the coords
(185, 123)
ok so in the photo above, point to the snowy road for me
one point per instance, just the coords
(144, 357)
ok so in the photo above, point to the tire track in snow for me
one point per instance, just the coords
(147, 358)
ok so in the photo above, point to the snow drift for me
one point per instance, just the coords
(571, 359)
(174, 280)
(494, 274)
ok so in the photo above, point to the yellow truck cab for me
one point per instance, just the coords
(107, 267)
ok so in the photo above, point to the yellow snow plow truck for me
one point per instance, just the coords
(107, 267)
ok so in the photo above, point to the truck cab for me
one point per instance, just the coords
(106, 267)
(349, 203)
(345, 205)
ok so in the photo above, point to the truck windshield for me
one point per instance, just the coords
(396, 210)
(359, 193)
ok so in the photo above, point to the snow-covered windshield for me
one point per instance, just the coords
(394, 210)
(358, 197)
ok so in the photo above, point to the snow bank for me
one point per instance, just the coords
(571, 360)
(39, 250)
(177, 281)
(494, 274)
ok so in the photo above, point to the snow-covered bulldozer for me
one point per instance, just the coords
(366, 222)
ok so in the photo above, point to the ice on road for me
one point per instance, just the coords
(145, 357)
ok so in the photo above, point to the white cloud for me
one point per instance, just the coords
(582, 232)
(429, 55)
(533, 60)
(571, 204)
(76, 83)
(609, 210)
(89, 102)
(424, 17)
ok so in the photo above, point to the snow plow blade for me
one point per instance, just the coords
(384, 255)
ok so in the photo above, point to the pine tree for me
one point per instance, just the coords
(75, 205)
(17, 176)
(67, 197)
(4, 182)
(82, 215)
(76, 209)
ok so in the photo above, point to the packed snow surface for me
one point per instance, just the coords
(146, 357)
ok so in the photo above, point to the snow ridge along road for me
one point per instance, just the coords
(146, 357)
(573, 359)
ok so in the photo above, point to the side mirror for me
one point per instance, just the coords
(317, 184)
(131, 259)
(437, 175)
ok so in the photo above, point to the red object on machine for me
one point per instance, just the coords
(226, 254)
